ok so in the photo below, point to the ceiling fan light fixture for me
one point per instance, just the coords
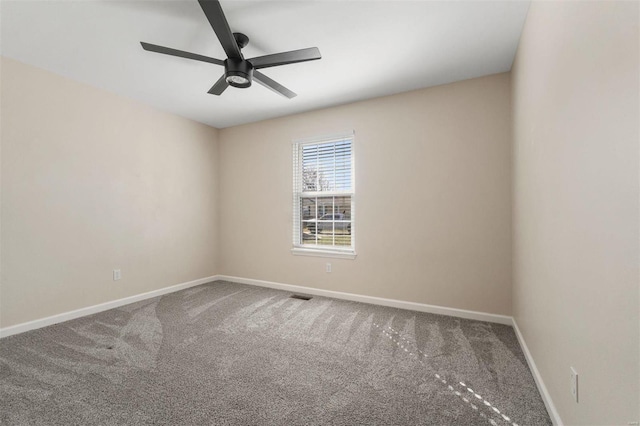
(238, 79)
(238, 72)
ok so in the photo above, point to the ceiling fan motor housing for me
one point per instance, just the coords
(238, 72)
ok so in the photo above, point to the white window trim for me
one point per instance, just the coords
(334, 252)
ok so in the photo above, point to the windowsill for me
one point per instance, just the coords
(299, 251)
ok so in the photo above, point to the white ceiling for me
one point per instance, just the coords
(369, 49)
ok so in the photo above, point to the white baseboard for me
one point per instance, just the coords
(66, 316)
(421, 307)
(546, 398)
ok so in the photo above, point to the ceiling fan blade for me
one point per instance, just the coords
(291, 57)
(180, 53)
(219, 87)
(270, 84)
(215, 15)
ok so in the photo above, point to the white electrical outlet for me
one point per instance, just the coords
(328, 267)
(117, 274)
(574, 384)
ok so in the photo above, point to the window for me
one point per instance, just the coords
(323, 192)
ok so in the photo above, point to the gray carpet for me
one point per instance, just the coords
(230, 354)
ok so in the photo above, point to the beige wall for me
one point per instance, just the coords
(92, 182)
(576, 205)
(433, 203)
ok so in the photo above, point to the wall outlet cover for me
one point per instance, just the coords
(574, 384)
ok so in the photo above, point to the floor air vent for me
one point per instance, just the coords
(300, 296)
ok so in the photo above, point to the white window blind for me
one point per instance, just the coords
(323, 195)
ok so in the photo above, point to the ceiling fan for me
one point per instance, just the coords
(238, 71)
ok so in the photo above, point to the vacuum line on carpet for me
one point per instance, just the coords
(487, 403)
(404, 343)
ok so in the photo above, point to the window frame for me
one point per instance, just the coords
(347, 252)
